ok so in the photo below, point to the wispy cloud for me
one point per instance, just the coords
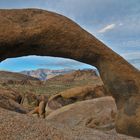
(133, 58)
(131, 55)
(107, 28)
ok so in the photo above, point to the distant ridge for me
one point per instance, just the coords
(77, 75)
(6, 76)
(45, 74)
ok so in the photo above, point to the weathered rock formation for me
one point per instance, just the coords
(10, 104)
(10, 100)
(73, 95)
(29, 101)
(95, 113)
(39, 32)
(39, 110)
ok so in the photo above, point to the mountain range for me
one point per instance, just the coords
(45, 74)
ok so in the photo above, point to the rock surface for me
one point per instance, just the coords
(73, 95)
(14, 126)
(30, 101)
(97, 113)
(10, 104)
(9, 99)
(11, 94)
(39, 32)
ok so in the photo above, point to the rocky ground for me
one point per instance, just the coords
(22, 127)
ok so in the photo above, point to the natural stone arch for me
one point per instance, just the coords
(39, 32)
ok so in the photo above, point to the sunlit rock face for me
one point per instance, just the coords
(96, 113)
(39, 32)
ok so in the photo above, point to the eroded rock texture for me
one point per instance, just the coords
(73, 95)
(15, 126)
(10, 99)
(38, 32)
(96, 113)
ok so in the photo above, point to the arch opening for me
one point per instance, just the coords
(33, 62)
(56, 76)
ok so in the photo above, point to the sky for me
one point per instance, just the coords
(114, 22)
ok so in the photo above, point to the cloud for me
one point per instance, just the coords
(133, 58)
(107, 28)
(131, 55)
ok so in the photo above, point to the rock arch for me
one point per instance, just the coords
(38, 32)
